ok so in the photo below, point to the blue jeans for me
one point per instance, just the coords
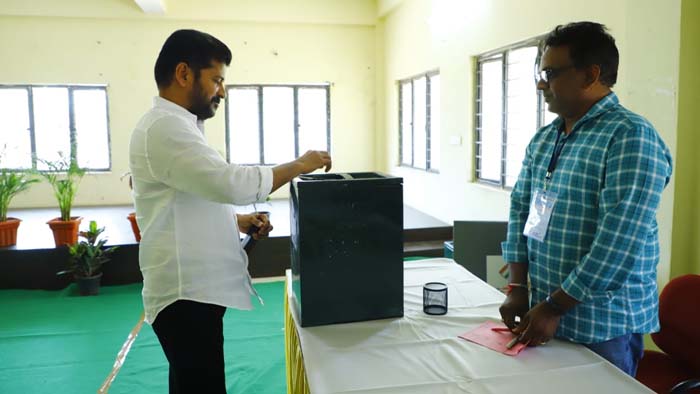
(624, 351)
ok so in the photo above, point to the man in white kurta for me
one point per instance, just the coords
(190, 254)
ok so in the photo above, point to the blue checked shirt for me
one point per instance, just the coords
(602, 244)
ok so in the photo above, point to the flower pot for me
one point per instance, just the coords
(8, 232)
(90, 285)
(134, 226)
(65, 232)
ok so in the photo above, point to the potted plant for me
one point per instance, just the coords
(11, 183)
(86, 259)
(64, 177)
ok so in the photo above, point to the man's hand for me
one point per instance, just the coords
(538, 326)
(515, 305)
(313, 160)
(259, 220)
(310, 161)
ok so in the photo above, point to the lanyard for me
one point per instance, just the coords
(555, 158)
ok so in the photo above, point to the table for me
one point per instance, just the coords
(423, 354)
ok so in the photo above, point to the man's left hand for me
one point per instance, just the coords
(538, 325)
(259, 220)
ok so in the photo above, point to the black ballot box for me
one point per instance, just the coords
(347, 247)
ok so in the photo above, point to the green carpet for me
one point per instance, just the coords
(59, 342)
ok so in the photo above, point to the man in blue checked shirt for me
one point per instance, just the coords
(583, 212)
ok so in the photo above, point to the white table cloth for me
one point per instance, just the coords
(422, 354)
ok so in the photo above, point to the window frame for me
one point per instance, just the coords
(261, 117)
(71, 123)
(428, 117)
(502, 54)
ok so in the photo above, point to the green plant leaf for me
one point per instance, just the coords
(88, 255)
(11, 184)
(64, 176)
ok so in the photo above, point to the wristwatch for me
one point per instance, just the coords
(558, 309)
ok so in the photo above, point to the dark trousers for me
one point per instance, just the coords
(191, 335)
(624, 351)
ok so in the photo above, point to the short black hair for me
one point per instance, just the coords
(196, 48)
(589, 43)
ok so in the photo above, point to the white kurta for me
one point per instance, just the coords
(183, 192)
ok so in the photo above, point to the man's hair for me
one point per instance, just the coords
(196, 48)
(589, 43)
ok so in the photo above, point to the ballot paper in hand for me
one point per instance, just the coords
(494, 340)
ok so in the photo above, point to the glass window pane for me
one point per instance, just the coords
(522, 108)
(491, 120)
(278, 124)
(244, 126)
(435, 122)
(15, 141)
(419, 122)
(313, 118)
(90, 113)
(511, 179)
(406, 123)
(51, 125)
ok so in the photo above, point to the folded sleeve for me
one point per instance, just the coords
(637, 170)
(177, 154)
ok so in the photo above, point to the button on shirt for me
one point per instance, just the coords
(602, 245)
(183, 191)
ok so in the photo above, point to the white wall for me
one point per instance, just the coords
(342, 12)
(121, 54)
(421, 35)
(112, 42)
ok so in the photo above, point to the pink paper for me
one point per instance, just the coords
(494, 340)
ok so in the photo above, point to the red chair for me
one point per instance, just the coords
(677, 369)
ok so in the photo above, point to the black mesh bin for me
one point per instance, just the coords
(435, 298)
(347, 247)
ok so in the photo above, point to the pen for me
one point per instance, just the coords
(512, 342)
(500, 329)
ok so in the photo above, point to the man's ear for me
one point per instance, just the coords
(183, 74)
(592, 76)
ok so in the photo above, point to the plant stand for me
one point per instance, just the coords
(8, 232)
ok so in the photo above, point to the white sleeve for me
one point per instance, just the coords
(178, 155)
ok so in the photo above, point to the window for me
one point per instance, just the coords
(419, 122)
(42, 123)
(509, 110)
(272, 124)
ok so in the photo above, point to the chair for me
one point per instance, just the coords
(677, 369)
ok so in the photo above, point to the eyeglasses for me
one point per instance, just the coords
(549, 73)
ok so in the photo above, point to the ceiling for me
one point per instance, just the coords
(350, 12)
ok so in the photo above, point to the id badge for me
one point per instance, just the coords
(541, 208)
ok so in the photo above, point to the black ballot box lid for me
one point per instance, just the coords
(347, 247)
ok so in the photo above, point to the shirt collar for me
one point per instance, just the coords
(602, 106)
(165, 104)
(160, 102)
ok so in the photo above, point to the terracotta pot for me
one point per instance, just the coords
(134, 226)
(90, 285)
(65, 232)
(8, 232)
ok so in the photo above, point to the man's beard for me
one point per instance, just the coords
(200, 105)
